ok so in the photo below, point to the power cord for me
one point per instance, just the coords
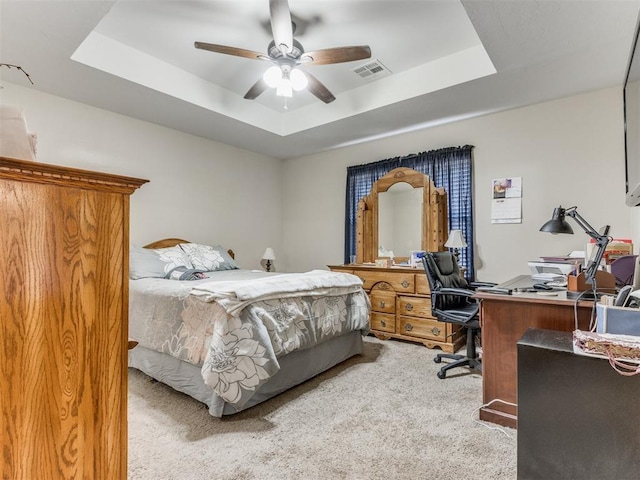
(592, 319)
(491, 427)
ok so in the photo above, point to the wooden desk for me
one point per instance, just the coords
(504, 319)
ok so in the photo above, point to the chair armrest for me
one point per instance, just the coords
(475, 285)
(454, 291)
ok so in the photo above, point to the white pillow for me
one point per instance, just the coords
(208, 258)
(155, 263)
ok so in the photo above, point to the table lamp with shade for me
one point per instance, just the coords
(268, 255)
(456, 241)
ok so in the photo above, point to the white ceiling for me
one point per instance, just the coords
(449, 60)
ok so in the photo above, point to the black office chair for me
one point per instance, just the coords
(452, 302)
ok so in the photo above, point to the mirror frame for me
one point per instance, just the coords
(434, 214)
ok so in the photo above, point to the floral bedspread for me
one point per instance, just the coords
(236, 326)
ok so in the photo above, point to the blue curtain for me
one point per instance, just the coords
(449, 168)
(360, 179)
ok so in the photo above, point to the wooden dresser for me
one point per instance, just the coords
(401, 306)
(63, 321)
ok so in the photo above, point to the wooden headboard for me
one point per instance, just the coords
(172, 242)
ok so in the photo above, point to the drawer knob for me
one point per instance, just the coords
(435, 331)
(408, 306)
(405, 283)
(383, 323)
(382, 304)
(408, 327)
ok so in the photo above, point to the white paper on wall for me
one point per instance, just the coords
(506, 203)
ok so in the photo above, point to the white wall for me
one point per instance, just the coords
(569, 152)
(199, 190)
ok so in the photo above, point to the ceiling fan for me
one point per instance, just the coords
(287, 55)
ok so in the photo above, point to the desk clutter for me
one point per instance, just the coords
(617, 262)
(616, 335)
(570, 273)
(613, 331)
(613, 316)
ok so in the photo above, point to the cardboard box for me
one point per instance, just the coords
(604, 280)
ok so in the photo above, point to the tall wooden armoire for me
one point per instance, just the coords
(64, 249)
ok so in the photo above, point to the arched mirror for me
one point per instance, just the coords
(399, 214)
(404, 211)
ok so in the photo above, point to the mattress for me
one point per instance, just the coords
(239, 337)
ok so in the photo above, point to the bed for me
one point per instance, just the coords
(232, 338)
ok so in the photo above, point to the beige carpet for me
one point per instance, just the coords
(381, 415)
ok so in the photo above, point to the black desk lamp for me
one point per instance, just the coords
(558, 224)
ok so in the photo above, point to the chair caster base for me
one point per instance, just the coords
(437, 360)
(472, 363)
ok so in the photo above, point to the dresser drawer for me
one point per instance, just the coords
(383, 301)
(414, 306)
(422, 284)
(422, 327)
(403, 282)
(383, 322)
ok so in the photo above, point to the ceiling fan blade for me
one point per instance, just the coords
(336, 55)
(237, 52)
(257, 88)
(281, 25)
(316, 87)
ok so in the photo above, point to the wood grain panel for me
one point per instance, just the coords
(422, 284)
(422, 327)
(504, 320)
(414, 306)
(433, 220)
(166, 242)
(399, 282)
(172, 242)
(383, 322)
(383, 301)
(63, 323)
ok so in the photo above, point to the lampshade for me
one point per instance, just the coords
(284, 88)
(299, 80)
(285, 80)
(269, 254)
(557, 224)
(272, 76)
(455, 240)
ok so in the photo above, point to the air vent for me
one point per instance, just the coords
(371, 70)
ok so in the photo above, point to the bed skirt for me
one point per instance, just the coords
(295, 368)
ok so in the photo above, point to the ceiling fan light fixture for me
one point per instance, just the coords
(284, 88)
(286, 54)
(273, 76)
(299, 80)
